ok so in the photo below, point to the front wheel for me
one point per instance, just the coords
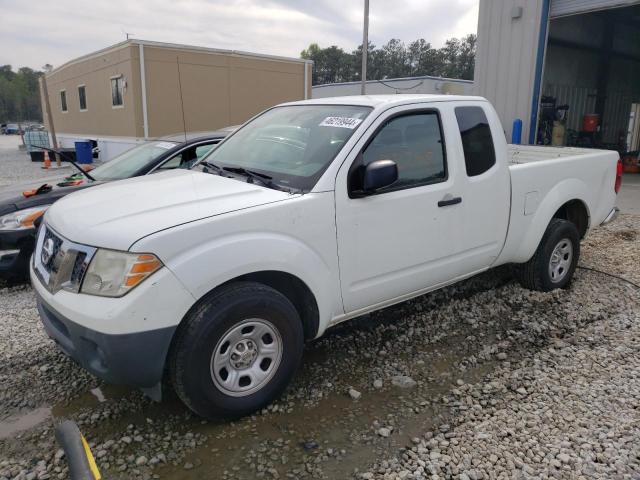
(555, 260)
(237, 351)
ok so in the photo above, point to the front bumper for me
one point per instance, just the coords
(135, 359)
(124, 340)
(16, 248)
(613, 214)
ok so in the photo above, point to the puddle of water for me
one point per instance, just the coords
(98, 394)
(336, 422)
(89, 399)
(15, 424)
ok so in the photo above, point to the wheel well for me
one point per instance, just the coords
(295, 290)
(575, 211)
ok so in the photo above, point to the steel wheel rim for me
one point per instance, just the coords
(246, 357)
(560, 261)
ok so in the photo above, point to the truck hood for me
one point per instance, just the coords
(117, 214)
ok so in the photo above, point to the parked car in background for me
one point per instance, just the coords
(3, 128)
(12, 129)
(19, 210)
(312, 213)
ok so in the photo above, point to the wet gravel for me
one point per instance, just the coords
(480, 380)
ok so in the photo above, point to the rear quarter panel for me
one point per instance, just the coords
(542, 187)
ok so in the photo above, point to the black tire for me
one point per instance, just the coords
(534, 274)
(191, 353)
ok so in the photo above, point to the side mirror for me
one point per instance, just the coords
(379, 174)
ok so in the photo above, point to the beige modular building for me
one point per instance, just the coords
(135, 90)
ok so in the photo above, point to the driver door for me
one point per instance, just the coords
(400, 239)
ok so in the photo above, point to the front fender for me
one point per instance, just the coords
(296, 236)
(209, 265)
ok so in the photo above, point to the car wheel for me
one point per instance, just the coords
(236, 351)
(555, 260)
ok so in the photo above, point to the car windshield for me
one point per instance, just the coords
(293, 144)
(130, 162)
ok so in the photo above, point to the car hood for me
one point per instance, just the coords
(118, 214)
(11, 193)
(13, 199)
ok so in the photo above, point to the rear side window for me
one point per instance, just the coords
(477, 142)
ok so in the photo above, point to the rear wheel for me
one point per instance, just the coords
(236, 351)
(555, 260)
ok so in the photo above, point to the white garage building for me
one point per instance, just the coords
(585, 54)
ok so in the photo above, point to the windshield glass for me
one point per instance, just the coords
(130, 162)
(292, 144)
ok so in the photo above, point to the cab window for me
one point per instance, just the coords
(477, 142)
(414, 142)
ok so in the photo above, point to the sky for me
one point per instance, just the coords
(36, 32)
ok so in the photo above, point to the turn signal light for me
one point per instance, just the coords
(144, 266)
(27, 221)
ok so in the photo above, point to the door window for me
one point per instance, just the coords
(174, 162)
(477, 142)
(414, 141)
(202, 150)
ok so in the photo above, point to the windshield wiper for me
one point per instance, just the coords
(249, 173)
(263, 178)
(69, 160)
(212, 165)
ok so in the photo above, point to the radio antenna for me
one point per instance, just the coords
(184, 123)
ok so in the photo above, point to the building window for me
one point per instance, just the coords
(82, 97)
(117, 91)
(477, 142)
(63, 100)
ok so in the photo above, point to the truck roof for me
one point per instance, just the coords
(386, 100)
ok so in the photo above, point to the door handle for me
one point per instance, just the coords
(448, 200)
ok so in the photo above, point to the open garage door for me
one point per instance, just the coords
(590, 85)
(561, 8)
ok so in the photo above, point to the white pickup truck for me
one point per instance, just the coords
(312, 213)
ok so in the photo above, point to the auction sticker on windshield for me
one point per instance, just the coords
(342, 122)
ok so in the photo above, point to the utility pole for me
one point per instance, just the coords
(365, 48)
(52, 130)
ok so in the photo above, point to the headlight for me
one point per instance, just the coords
(22, 219)
(112, 273)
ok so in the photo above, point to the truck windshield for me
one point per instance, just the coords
(293, 144)
(130, 162)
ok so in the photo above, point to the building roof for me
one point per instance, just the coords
(174, 46)
(387, 100)
(398, 79)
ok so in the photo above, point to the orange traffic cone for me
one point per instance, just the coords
(47, 161)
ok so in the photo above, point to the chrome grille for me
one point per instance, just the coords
(53, 263)
(59, 263)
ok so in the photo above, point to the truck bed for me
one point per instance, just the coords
(543, 178)
(519, 154)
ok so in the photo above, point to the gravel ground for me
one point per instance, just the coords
(480, 380)
(16, 166)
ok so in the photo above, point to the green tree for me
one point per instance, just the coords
(455, 59)
(19, 94)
